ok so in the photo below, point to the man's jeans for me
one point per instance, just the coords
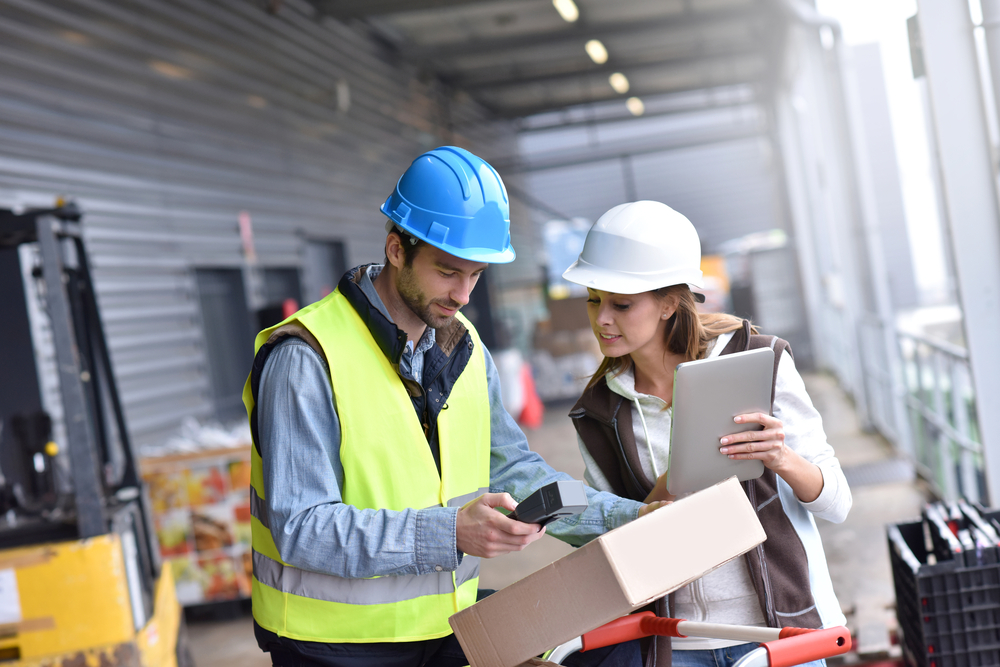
(444, 652)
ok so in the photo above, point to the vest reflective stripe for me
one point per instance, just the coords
(257, 509)
(387, 465)
(461, 500)
(377, 590)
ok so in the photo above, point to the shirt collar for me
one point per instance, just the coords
(367, 285)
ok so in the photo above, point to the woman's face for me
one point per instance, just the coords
(628, 323)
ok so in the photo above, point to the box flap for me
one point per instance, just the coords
(683, 541)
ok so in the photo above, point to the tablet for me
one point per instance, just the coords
(708, 393)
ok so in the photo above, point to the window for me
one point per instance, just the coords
(325, 265)
(228, 336)
(279, 286)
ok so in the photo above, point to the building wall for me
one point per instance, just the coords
(714, 165)
(886, 180)
(166, 121)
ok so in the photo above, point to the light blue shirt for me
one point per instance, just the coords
(314, 529)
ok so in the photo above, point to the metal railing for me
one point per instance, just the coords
(883, 384)
(941, 407)
(926, 407)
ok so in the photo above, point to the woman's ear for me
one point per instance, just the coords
(669, 305)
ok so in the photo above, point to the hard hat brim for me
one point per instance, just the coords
(620, 282)
(488, 255)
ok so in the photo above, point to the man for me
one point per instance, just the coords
(382, 450)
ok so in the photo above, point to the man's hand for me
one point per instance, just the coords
(652, 507)
(482, 531)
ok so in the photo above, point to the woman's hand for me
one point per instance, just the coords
(767, 446)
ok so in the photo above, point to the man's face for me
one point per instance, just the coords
(436, 285)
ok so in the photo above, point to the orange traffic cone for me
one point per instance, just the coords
(533, 413)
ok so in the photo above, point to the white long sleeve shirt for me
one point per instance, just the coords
(726, 595)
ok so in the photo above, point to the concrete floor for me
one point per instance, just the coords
(856, 550)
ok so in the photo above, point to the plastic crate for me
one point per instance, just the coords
(949, 612)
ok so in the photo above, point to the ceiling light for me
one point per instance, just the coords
(171, 70)
(596, 51)
(635, 106)
(619, 82)
(567, 9)
(256, 101)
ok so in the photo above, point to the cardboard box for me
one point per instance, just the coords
(562, 378)
(611, 576)
(568, 314)
(566, 341)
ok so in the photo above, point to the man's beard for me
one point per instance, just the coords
(419, 304)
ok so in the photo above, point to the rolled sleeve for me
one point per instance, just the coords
(830, 504)
(804, 434)
(435, 539)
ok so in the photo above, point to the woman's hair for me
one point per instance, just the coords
(688, 332)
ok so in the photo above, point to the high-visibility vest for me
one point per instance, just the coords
(388, 465)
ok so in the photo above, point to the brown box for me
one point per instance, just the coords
(568, 314)
(611, 576)
(563, 342)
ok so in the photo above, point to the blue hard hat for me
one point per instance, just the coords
(456, 202)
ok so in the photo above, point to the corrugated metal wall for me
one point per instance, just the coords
(165, 120)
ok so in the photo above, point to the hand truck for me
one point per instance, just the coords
(779, 647)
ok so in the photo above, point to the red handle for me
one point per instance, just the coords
(663, 627)
(620, 630)
(792, 641)
(627, 628)
(791, 632)
(802, 648)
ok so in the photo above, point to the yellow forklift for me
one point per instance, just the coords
(81, 581)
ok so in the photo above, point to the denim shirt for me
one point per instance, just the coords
(314, 529)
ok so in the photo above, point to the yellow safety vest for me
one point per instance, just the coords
(387, 465)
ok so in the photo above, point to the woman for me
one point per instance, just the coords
(637, 264)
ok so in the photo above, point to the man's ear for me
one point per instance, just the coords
(394, 250)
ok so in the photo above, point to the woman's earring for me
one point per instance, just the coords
(663, 316)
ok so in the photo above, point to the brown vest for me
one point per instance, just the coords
(778, 567)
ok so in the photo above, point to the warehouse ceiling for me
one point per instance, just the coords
(523, 57)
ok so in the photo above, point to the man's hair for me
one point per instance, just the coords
(411, 245)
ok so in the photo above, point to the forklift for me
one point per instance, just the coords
(81, 581)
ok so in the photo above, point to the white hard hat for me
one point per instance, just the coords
(638, 247)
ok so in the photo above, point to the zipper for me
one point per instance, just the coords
(772, 617)
(768, 595)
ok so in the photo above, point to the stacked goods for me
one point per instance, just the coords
(946, 571)
(201, 509)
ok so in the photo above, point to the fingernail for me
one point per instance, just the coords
(724, 450)
(724, 441)
(737, 419)
(732, 456)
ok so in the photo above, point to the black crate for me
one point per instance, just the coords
(949, 612)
